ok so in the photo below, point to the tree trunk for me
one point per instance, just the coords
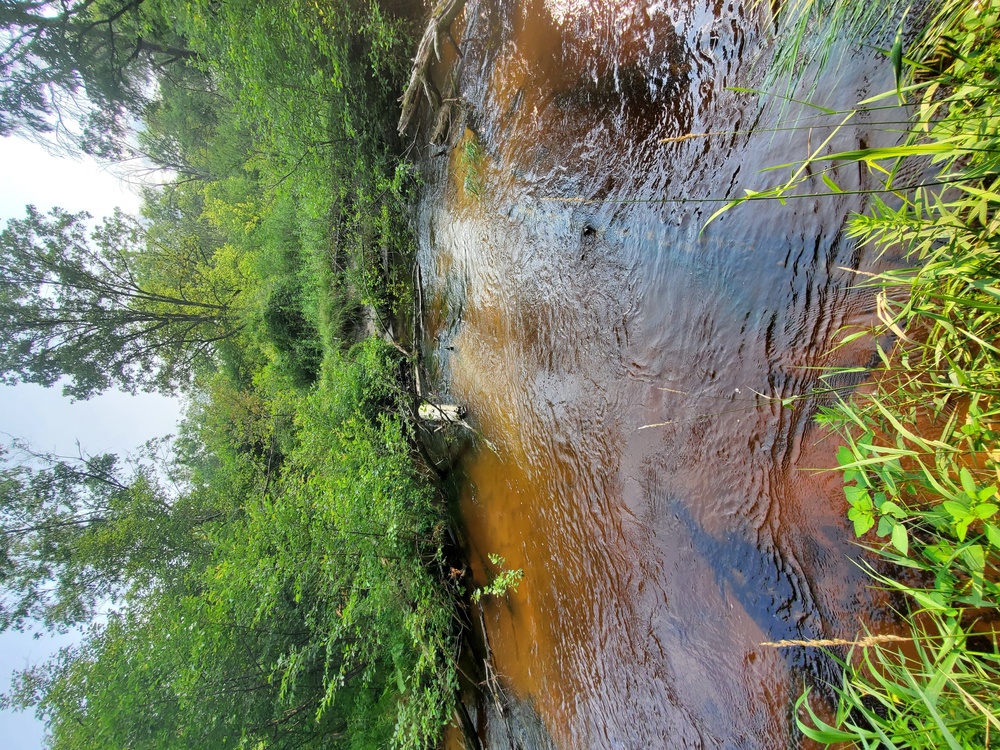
(440, 21)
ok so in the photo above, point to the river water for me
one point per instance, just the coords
(625, 365)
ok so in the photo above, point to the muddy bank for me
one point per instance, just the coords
(629, 367)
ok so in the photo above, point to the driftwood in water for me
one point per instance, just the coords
(468, 728)
(445, 113)
(439, 23)
(441, 412)
(492, 681)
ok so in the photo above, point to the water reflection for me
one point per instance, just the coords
(578, 301)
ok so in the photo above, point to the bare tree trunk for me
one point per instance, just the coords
(441, 412)
(440, 22)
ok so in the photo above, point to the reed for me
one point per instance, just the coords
(920, 459)
(941, 695)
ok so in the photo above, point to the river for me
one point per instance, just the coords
(626, 366)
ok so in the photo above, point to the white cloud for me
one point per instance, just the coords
(32, 175)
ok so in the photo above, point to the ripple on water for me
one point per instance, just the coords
(582, 301)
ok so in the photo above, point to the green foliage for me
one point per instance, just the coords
(71, 74)
(306, 81)
(190, 130)
(809, 32)
(187, 668)
(288, 592)
(920, 463)
(505, 580)
(79, 531)
(944, 696)
(292, 334)
(319, 618)
(380, 535)
(471, 164)
(116, 308)
(312, 615)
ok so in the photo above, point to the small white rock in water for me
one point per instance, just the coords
(441, 413)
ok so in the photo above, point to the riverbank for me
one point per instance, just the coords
(920, 464)
(278, 574)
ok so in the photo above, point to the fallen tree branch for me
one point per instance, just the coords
(870, 640)
(440, 22)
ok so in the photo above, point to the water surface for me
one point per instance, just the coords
(627, 365)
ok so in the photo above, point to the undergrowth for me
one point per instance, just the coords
(920, 462)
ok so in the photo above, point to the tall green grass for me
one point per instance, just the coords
(940, 695)
(921, 462)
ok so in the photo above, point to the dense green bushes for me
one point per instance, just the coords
(314, 613)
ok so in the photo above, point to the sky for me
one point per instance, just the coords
(115, 422)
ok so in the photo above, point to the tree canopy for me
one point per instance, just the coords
(77, 531)
(110, 307)
(73, 73)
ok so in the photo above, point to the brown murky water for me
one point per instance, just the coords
(575, 299)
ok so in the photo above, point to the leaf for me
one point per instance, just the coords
(930, 600)
(962, 528)
(968, 484)
(993, 535)
(956, 509)
(984, 510)
(830, 183)
(976, 557)
(885, 525)
(900, 539)
(820, 731)
(890, 508)
(896, 58)
(862, 518)
(870, 155)
(824, 110)
(858, 496)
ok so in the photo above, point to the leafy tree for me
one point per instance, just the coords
(190, 667)
(78, 70)
(78, 531)
(118, 308)
(191, 130)
(179, 131)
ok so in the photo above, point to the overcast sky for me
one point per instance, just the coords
(111, 422)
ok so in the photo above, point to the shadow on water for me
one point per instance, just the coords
(629, 365)
(761, 584)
